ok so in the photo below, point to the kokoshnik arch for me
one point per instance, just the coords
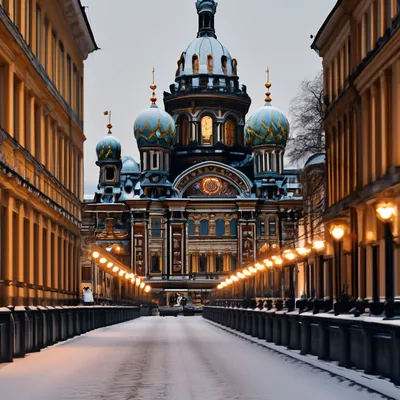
(210, 191)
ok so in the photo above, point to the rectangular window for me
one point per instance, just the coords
(156, 227)
(38, 31)
(272, 226)
(69, 83)
(76, 89)
(17, 13)
(86, 274)
(46, 44)
(28, 22)
(219, 266)
(388, 14)
(203, 263)
(155, 264)
(54, 57)
(233, 262)
(61, 69)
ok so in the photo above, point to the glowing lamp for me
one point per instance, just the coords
(278, 261)
(386, 211)
(115, 269)
(302, 251)
(229, 281)
(118, 248)
(234, 278)
(103, 260)
(268, 263)
(121, 273)
(240, 275)
(110, 264)
(289, 255)
(246, 272)
(147, 289)
(253, 270)
(95, 254)
(337, 232)
(219, 287)
(224, 284)
(319, 245)
(138, 281)
(260, 267)
(142, 285)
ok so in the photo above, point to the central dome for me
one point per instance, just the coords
(206, 55)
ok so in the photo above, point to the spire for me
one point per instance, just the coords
(206, 10)
(153, 87)
(268, 93)
(109, 126)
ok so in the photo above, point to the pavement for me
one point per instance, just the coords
(184, 358)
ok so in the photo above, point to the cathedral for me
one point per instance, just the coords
(210, 192)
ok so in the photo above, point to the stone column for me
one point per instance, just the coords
(395, 141)
(19, 266)
(21, 113)
(39, 267)
(47, 271)
(31, 133)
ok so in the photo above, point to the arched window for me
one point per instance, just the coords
(110, 174)
(210, 64)
(234, 67)
(272, 225)
(184, 130)
(224, 61)
(233, 227)
(203, 227)
(191, 227)
(207, 130)
(220, 227)
(195, 64)
(260, 226)
(230, 128)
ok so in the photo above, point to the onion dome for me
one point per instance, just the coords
(154, 127)
(130, 166)
(109, 148)
(268, 125)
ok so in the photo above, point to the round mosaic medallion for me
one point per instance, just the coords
(210, 186)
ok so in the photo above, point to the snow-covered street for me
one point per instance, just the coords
(155, 358)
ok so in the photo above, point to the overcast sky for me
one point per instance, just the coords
(135, 35)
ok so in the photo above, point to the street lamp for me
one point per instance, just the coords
(337, 232)
(385, 212)
(318, 245)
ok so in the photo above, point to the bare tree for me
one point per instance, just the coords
(307, 120)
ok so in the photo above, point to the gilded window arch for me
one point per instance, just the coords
(195, 64)
(207, 130)
(230, 130)
(210, 64)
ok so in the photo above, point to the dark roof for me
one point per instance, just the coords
(314, 43)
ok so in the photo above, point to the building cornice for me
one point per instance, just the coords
(81, 31)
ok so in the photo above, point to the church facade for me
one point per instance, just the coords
(210, 191)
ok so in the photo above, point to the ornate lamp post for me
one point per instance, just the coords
(386, 212)
(337, 232)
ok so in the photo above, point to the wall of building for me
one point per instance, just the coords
(41, 153)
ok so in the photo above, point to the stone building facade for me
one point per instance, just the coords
(43, 45)
(360, 47)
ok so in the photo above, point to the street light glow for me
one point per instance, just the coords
(302, 251)
(253, 270)
(95, 254)
(219, 287)
(319, 245)
(121, 273)
(224, 284)
(229, 281)
(337, 231)
(386, 211)
(115, 269)
(289, 255)
(142, 285)
(260, 267)
(240, 275)
(246, 272)
(110, 264)
(147, 289)
(268, 263)
(103, 260)
(278, 261)
(234, 278)
(138, 281)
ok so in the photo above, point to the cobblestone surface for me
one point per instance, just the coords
(156, 358)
